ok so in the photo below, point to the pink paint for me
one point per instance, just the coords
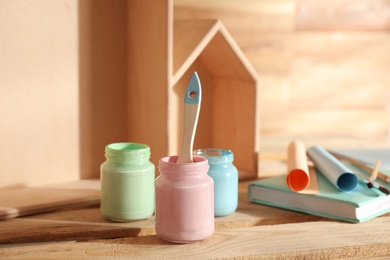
(184, 200)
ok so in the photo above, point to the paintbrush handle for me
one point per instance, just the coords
(375, 171)
(192, 101)
(191, 113)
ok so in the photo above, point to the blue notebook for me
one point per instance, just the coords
(358, 205)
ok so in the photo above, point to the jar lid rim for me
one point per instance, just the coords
(215, 154)
(126, 146)
(127, 149)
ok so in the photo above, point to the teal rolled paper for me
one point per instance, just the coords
(332, 169)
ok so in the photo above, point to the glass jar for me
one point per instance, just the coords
(184, 200)
(225, 176)
(127, 182)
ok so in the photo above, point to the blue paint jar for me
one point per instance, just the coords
(225, 176)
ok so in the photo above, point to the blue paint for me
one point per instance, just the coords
(347, 181)
(225, 176)
(194, 91)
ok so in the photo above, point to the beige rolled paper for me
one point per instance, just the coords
(298, 177)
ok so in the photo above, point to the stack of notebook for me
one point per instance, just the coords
(333, 188)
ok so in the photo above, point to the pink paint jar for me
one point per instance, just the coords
(184, 200)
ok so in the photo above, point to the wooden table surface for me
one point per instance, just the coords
(252, 232)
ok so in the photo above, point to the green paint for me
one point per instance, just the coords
(127, 182)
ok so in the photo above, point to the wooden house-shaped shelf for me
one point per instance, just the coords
(163, 54)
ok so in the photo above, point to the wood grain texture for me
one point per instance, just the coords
(243, 17)
(234, 123)
(190, 38)
(310, 240)
(63, 84)
(362, 15)
(78, 75)
(32, 200)
(88, 223)
(226, 120)
(225, 59)
(38, 95)
(326, 62)
(102, 80)
(149, 57)
(252, 232)
(231, 92)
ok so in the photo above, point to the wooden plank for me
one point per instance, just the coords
(243, 17)
(24, 201)
(344, 122)
(340, 70)
(28, 201)
(88, 223)
(150, 36)
(254, 231)
(270, 53)
(63, 84)
(275, 148)
(39, 92)
(334, 80)
(309, 240)
(49, 231)
(303, 70)
(102, 82)
(362, 15)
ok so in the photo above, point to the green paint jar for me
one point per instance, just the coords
(127, 182)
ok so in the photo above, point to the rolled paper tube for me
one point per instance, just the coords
(298, 177)
(333, 170)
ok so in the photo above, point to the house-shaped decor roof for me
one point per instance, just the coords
(229, 108)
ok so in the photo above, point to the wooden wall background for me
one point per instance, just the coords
(324, 68)
(63, 88)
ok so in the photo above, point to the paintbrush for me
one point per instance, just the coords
(192, 101)
(375, 173)
(371, 183)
